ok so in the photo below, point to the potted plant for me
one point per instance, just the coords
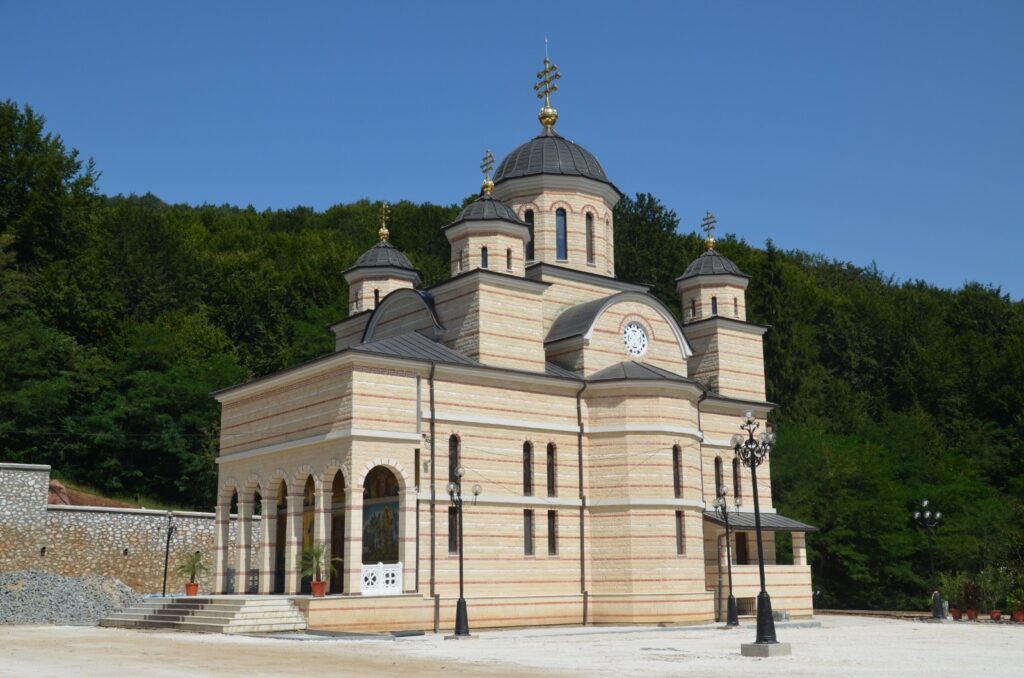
(1015, 602)
(315, 562)
(969, 595)
(191, 566)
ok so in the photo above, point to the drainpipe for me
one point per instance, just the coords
(433, 505)
(583, 498)
(701, 456)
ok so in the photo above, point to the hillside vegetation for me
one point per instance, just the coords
(120, 315)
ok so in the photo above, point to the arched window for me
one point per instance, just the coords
(714, 305)
(527, 469)
(561, 241)
(453, 458)
(528, 218)
(737, 488)
(376, 297)
(483, 257)
(552, 486)
(677, 471)
(718, 476)
(693, 308)
(590, 238)
(508, 258)
(735, 307)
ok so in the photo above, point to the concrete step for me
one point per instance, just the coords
(211, 615)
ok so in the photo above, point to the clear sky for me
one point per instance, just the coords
(888, 132)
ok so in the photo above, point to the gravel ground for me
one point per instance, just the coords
(36, 597)
(843, 646)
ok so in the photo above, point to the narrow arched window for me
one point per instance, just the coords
(718, 476)
(737, 489)
(527, 469)
(677, 471)
(483, 257)
(376, 297)
(552, 486)
(453, 458)
(735, 307)
(714, 305)
(590, 238)
(508, 258)
(528, 218)
(561, 237)
(693, 308)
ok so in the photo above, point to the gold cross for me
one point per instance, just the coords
(708, 225)
(546, 81)
(383, 233)
(487, 165)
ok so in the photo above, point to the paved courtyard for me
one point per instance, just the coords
(843, 646)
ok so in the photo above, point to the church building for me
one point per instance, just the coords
(587, 428)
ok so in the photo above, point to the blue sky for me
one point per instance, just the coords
(886, 132)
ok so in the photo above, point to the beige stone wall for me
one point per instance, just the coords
(365, 292)
(577, 204)
(466, 253)
(696, 301)
(350, 331)
(606, 345)
(564, 293)
(401, 315)
(729, 360)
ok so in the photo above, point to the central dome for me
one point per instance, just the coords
(549, 153)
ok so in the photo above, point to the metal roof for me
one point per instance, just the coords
(553, 370)
(770, 522)
(575, 320)
(711, 263)
(415, 346)
(487, 208)
(550, 153)
(383, 255)
(633, 370)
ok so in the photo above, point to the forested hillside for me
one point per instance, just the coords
(120, 315)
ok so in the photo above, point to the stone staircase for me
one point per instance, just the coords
(222, 614)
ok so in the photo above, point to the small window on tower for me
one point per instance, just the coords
(714, 305)
(735, 307)
(483, 257)
(693, 308)
(561, 237)
(508, 258)
(590, 238)
(376, 297)
(528, 218)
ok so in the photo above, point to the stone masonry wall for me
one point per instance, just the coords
(77, 540)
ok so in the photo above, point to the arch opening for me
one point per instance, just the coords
(338, 532)
(381, 510)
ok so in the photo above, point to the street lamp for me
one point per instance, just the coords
(929, 520)
(751, 453)
(167, 548)
(455, 494)
(721, 505)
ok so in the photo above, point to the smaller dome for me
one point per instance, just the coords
(487, 208)
(711, 263)
(383, 255)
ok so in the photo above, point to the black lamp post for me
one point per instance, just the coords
(167, 549)
(751, 453)
(455, 494)
(929, 520)
(721, 505)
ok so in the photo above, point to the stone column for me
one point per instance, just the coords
(407, 538)
(268, 551)
(243, 541)
(353, 572)
(799, 548)
(221, 537)
(293, 546)
(322, 524)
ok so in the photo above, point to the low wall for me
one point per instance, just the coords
(77, 540)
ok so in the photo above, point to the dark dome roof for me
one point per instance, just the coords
(383, 255)
(711, 263)
(550, 153)
(487, 208)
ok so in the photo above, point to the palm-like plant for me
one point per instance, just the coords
(315, 561)
(191, 566)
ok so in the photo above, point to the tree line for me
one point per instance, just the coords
(120, 315)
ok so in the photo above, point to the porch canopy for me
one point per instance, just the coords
(770, 522)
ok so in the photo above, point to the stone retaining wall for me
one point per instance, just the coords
(77, 540)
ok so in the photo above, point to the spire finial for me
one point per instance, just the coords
(545, 87)
(486, 166)
(708, 225)
(383, 233)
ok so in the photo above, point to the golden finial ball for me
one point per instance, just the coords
(487, 186)
(548, 116)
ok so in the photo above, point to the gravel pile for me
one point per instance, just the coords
(35, 597)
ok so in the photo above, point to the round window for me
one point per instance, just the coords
(635, 338)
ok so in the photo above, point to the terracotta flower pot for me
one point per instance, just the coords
(191, 588)
(1018, 615)
(955, 613)
(972, 614)
(319, 588)
(995, 615)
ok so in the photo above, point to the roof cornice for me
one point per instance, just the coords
(721, 321)
(512, 187)
(542, 268)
